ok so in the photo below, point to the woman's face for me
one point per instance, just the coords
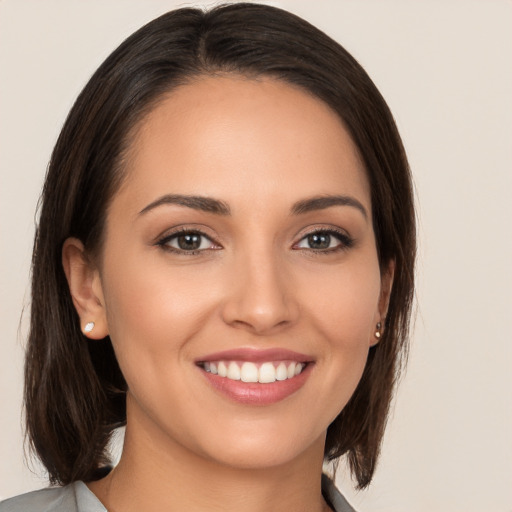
(240, 246)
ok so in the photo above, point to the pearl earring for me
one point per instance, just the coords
(377, 332)
(89, 326)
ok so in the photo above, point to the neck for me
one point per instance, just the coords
(156, 474)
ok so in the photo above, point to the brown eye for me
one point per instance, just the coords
(319, 241)
(325, 241)
(187, 242)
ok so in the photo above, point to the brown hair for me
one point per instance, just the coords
(74, 389)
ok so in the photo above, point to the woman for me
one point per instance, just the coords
(224, 264)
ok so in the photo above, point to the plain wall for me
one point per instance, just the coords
(445, 69)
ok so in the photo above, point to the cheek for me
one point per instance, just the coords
(345, 304)
(141, 292)
(343, 310)
(151, 314)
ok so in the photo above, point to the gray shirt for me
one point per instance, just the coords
(77, 497)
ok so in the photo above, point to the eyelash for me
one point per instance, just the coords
(163, 242)
(346, 242)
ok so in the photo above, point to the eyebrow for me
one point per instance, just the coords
(218, 207)
(205, 204)
(323, 202)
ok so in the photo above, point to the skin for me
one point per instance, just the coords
(259, 147)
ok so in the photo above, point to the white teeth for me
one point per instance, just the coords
(222, 369)
(281, 372)
(249, 372)
(233, 371)
(267, 373)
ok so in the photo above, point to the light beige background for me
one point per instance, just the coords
(445, 69)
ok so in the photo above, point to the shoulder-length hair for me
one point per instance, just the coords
(74, 389)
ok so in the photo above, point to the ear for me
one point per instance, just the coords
(85, 287)
(386, 285)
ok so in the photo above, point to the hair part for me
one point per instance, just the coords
(74, 389)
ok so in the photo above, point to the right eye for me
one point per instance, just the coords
(187, 242)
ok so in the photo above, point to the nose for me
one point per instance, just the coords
(261, 298)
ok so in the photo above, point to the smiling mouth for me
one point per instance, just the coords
(263, 373)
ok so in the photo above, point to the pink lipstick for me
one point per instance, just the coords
(256, 377)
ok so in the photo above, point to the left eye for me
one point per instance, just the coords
(188, 241)
(321, 240)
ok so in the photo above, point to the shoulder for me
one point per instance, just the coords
(333, 497)
(51, 499)
(75, 497)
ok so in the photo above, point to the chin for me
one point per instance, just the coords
(265, 448)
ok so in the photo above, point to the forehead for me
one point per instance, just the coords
(231, 136)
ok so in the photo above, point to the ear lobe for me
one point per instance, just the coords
(85, 287)
(386, 286)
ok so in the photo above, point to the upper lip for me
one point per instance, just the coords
(256, 355)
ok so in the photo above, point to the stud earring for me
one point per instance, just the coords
(377, 332)
(89, 326)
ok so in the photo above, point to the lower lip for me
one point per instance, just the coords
(254, 393)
